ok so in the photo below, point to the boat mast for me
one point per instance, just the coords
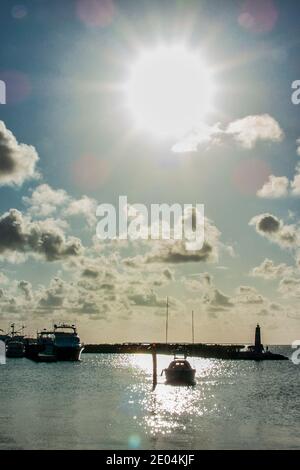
(167, 320)
(193, 335)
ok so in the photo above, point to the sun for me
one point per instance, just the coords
(169, 91)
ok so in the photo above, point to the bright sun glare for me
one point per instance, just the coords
(169, 91)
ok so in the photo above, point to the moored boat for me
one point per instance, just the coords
(15, 347)
(180, 372)
(66, 345)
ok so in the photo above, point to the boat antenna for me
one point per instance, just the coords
(167, 320)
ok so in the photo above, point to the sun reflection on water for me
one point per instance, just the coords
(171, 408)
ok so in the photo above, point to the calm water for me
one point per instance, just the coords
(105, 402)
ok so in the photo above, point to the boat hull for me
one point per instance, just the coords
(15, 350)
(15, 354)
(180, 377)
(67, 353)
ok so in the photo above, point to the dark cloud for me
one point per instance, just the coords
(44, 238)
(269, 226)
(168, 274)
(17, 161)
(26, 288)
(177, 253)
(90, 273)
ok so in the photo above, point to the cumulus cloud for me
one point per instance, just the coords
(276, 187)
(290, 287)
(17, 161)
(44, 200)
(269, 226)
(269, 270)
(202, 283)
(220, 300)
(44, 238)
(202, 135)
(280, 186)
(26, 288)
(55, 295)
(85, 206)
(175, 252)
(295, 183)
(298, 147)
(168, 274)
(246, 132)
(147, 300)
(249, 130)
(248, 295)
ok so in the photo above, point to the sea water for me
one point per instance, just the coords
(106, 402)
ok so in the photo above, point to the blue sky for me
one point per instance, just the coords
(65, 69)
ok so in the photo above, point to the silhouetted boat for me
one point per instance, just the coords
(67, 345)
(15, 347)
(45, 341)
(60, 344)
(180, 372)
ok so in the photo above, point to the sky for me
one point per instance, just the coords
(70, 140)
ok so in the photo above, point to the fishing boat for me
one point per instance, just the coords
(66, 343)
(45, 343)
(61, 343)
(180, 372)
(15, 346)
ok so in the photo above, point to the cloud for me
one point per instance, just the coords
(85, 206)
(26, 288)
(55, 295)
(45, 200)
(202, 135)
(268, 270)
(44, 238)
(168, 274)
(295, 184)
(220, 300)
(90, 272)
(3, 278)
(290, 287)
(17, 161)
(298, 147)
(202, 283)
(216, 301)
(276, 187)
(246, 132)
(175, 252)
(147, 300)
(280, 186)
(249, 130)
(269, 226)
(248, 295)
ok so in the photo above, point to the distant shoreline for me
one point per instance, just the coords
(213, 350)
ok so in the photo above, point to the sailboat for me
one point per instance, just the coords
(179, 371)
